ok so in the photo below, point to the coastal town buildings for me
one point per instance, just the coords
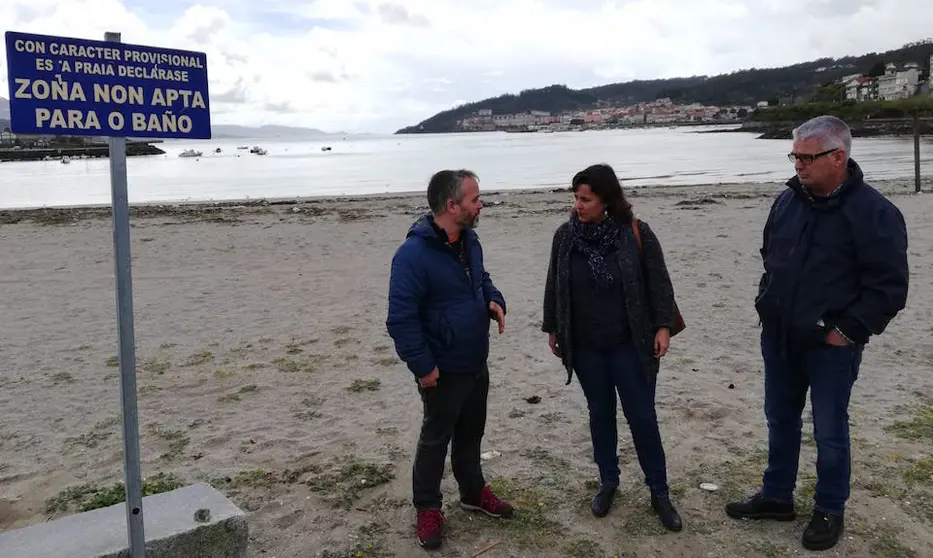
(658, 112)
(861, 88)
(897, 83)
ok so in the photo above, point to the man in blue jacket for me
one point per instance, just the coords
(835, 261)
(441, 300)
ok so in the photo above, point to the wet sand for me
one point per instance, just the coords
(264, 368)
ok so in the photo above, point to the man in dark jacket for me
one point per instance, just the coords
(835, 260)
(441, 300)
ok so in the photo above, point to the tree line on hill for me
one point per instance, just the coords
(850, 111)
(783, 85)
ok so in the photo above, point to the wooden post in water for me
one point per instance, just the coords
(916, 153)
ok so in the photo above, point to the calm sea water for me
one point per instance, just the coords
(389, 164)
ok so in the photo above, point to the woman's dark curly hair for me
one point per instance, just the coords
(603, 181)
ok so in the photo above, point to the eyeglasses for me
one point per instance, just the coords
(807, 158)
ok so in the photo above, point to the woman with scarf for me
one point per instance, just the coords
(608, 312)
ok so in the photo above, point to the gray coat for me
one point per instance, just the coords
(649, 294)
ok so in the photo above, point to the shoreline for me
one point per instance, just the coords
(319, 205)
(39, 154)
(782, 130)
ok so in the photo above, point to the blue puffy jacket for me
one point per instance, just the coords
(838, 261)
(438, 315)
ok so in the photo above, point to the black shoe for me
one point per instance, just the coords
(603, 500)
(666, 513)
(757, 507)
(823, 532)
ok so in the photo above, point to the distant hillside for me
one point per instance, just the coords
(744, 87)
(220, 131)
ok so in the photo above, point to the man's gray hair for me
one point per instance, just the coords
(832, 133)
(447, 185)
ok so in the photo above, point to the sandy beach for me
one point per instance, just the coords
(264, 368)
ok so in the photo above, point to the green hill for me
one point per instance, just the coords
(744, 87)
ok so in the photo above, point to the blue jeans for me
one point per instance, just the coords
(829, 373)
(602, 374)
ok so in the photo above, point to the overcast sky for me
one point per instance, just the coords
(377, 65)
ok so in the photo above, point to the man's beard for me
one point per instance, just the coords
(468, 223)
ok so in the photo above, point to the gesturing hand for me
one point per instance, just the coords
(497, 314)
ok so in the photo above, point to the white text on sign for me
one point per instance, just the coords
(73, 119)
(104, 93)
(103, 53)
(106, 61)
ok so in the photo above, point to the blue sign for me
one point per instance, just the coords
(63, 86)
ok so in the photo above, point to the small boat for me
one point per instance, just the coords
(218, 150)
(325, 148)
(259, 151)
(190, 153)
(66, 160)
(242, 147)
(255, 149)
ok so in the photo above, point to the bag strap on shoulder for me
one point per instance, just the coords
(637, 232)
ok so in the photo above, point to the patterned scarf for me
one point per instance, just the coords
(596, 241)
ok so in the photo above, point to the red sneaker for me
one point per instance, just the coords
(488, 503)
(430, 526)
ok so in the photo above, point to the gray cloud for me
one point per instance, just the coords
(395, 14)
(327, 76)
(322, 76)
(234, 57)
(202, 33)
(840, 8)
(329, 52)
(475, 80)
(283, 106)
(236, 94)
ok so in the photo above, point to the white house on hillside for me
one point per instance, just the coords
(862, 88)
(899, 84)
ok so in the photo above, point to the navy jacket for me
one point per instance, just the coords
(438, 315)
(839, 261)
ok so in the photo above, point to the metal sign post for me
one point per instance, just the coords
(917, 183)
(126, 340)
(61, 86)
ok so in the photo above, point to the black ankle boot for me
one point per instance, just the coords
(666, 513)
(603, 500)
(823, 531)
(757, 507)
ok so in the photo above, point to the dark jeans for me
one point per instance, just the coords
(602, 374)
(453, 410)
(829, 373)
